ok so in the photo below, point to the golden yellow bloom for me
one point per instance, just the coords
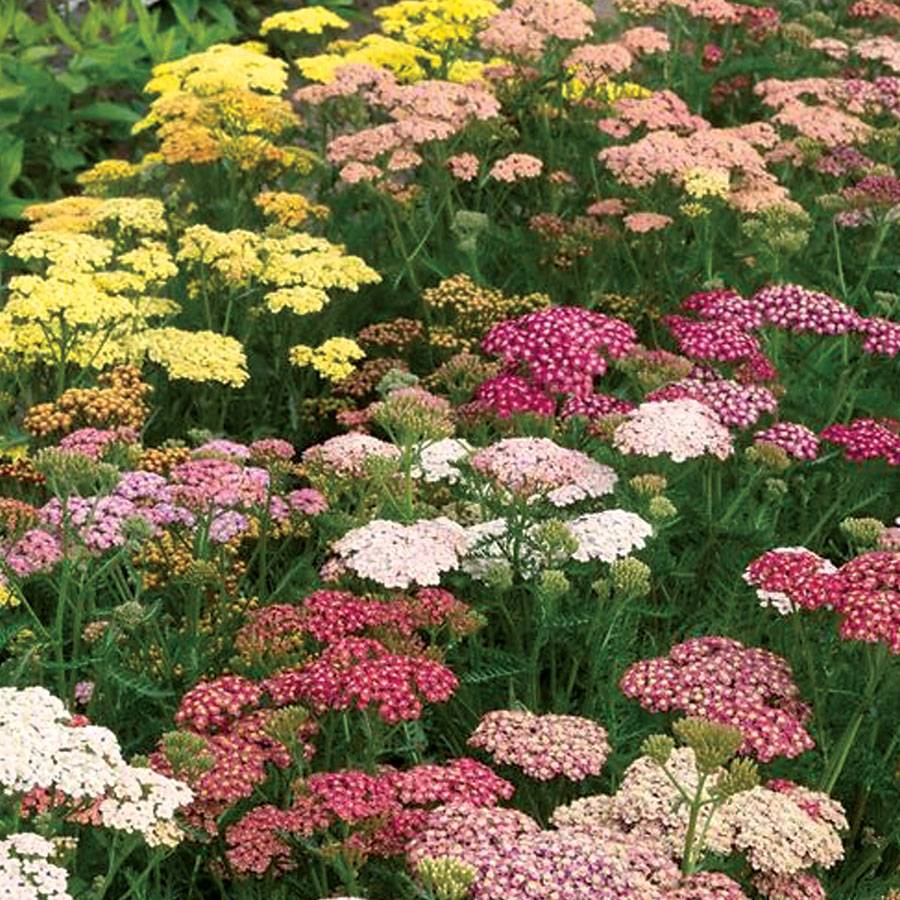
(300, 300)
(694, 210)
(289, 210)
(436, 23)
(151, 260)
(220, 67)
(311, 20)
(406, 61)
(72, 214)
(106, 173)
(332, 359)
(199, 356)
(610, 91)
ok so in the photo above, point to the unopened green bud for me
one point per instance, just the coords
(658, 747)
(648, 485)
(630, 577)
(742, 775)
(713, 744)
(445, 878)
(602, 589)
(770, 456)
(187, 754)
(660, 509)
(863, 532)
(553, 584)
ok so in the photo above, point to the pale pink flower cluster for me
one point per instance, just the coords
(438, 460)
(539, 468)
(664, 110)
(26, 872)
(399, 556)
(680, 429)
(524, 28)
(43, 750)
(608, 535)
(594, 63)
(515, 167)
(645, 40)
(349, 455)
(883, 48)
(543, 747)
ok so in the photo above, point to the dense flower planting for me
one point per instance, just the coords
(450, 451)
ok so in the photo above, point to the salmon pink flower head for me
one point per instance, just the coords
(720, 679)
(463, 166)
(515, 167)
(680, 429)
(539, 467)
(524, 28)
(561, 349)
(642, 222)
(543, 747)
(399, 556)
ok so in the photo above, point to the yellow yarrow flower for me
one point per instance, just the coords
(404, 60)
(142, 215)
(311, 20)
(300, 300)
(288, 209)
(699, 183)
(436, 23)
(220, 67)
(63, 252)
(198, 356)
(8, 598)
(332, 359)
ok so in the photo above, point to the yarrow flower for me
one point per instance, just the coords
(721, 680)
(681, 429)
(608, 535)
(543, 747)
(864, 439)
(26, 870)
(796, 440)
(538, 467)
(398, 556)
(515, 167)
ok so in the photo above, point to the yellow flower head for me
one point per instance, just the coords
(699, 183)
(198, 356)
(332, 359)
(218, 68)
(300, 300)
(311, 20)
(406, 61)
(440, 24)
(289, 210)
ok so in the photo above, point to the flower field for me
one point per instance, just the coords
(450, 450)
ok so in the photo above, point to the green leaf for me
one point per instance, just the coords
(73, 81)
(67, 159)
(106, 111)
(61, 30)
(11, 162)
(11, 91)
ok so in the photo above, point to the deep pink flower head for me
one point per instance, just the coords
(796, 440)
(720, 679)
(508, 395)
(791, 577)
(212, 706)
(736, 405)
(798, 309)
(561, 349)
(718, 341)
(864, 439)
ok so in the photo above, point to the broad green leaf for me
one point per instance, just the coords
(106, 111)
